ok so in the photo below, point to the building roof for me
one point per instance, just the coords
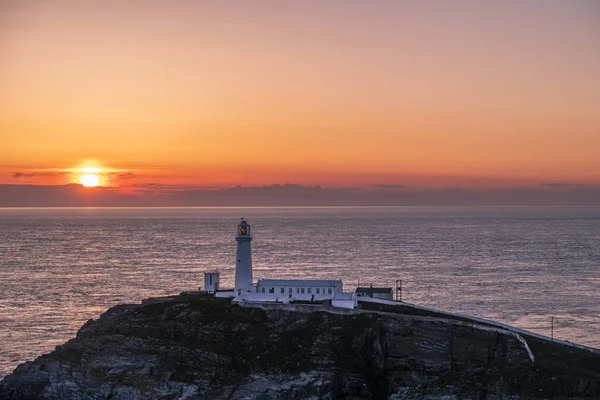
(344, 296)
(297, 282)
(374, 290)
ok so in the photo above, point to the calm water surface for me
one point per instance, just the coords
(61, 267)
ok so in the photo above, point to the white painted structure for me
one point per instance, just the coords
(344, 300)
(211, 281)
(226, 294)
(270, 290)
(243, 265)
(375, 293)
(298, 290)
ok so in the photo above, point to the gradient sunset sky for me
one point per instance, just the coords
(337, 93)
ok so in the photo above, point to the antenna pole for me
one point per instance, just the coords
(552, 327)
(398, 289)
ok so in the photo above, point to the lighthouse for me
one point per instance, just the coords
(273, 290)
(243, 265)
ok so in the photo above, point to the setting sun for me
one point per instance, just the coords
(89, 180)
(90, 175)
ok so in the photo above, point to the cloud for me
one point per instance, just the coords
(562, 185)
(171, 187)
(126, 175)
(23, 175)
(157, 194)
(18, 175)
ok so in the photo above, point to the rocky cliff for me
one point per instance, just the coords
(198, 346)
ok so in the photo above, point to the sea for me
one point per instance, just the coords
(523, 266)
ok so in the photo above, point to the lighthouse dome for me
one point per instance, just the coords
(244, 228)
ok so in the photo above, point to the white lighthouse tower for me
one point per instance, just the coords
(243, 265)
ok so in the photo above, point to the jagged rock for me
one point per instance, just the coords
(201, 347)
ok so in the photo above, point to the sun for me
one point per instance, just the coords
(89, 180)
(90, 175)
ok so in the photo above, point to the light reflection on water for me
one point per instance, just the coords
(61, 267)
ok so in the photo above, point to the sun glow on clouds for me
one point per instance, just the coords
(91, 170)
(90, 174)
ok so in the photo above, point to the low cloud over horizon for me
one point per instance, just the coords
(160, 195)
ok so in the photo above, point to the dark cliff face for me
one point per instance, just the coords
(196, 346)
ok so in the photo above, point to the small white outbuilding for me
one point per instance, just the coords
(344, 300)
(211, 281)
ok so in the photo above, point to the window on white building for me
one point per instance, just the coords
(297, 290)
(318, 290)
(302, 290)
(329, 291)
(271, 290)
(309, 290)
(282, 290)
(262, 290)
(291, 290)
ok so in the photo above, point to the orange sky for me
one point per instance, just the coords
(338, 93)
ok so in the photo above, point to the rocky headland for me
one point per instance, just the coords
(200, 347)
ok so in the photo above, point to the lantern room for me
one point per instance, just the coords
(243, 229)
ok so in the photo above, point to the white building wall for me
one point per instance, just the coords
(344, 300)
(351, 304)
(243, 265)
(228, 295)
(383, 296)
(296, 291)
(211, 282)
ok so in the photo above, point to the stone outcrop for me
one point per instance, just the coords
(201, 347)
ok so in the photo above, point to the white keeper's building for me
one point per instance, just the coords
(308, 290)
(273, 290)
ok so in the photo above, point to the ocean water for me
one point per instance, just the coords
(521, 266)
